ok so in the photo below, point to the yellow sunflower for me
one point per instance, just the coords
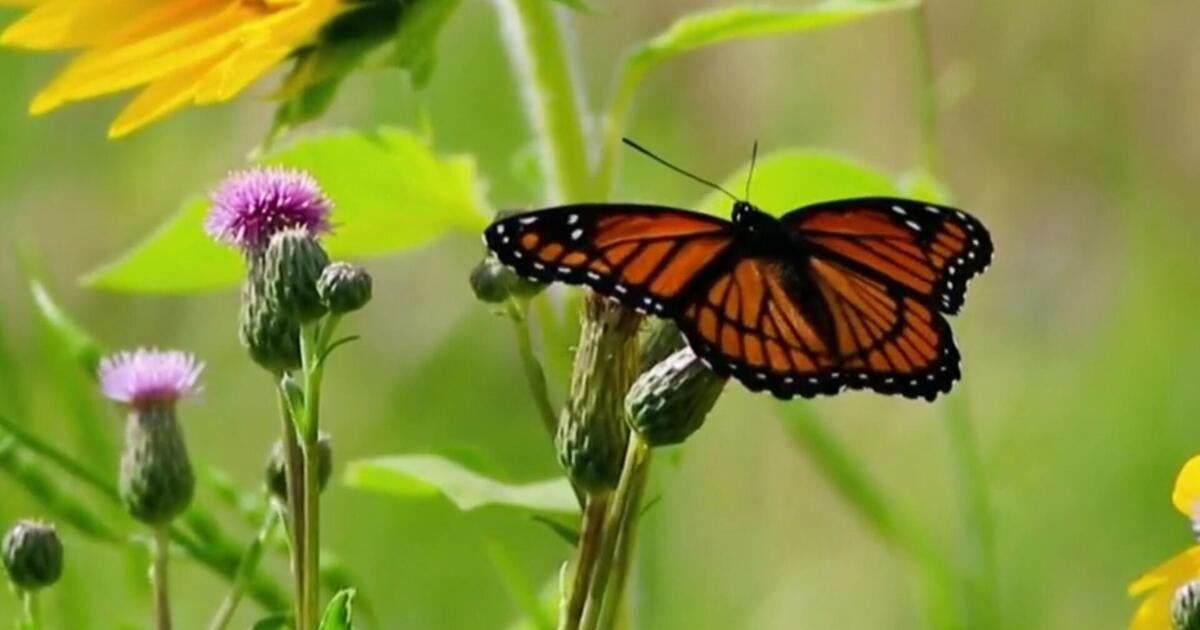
(178, 52)
(1158, 586)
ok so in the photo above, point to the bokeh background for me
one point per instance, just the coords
(1069, 127)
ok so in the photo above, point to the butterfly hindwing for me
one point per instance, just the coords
(644, 256)
(929, 250)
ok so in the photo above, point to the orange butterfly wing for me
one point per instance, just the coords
(644, 256)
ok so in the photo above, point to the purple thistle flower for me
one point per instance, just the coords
(251, 206)
(149, 376)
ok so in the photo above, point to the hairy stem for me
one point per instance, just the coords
(622, 516)
(294, 478)
(534, 373)
(31, 617)
(590, 540)
(537, 46)
(246, 568)
(158, 575)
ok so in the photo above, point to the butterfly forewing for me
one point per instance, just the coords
(644, 256)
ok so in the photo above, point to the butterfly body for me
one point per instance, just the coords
(841, 294)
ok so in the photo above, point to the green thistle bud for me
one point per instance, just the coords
(272, 339)
(277, 467)
(493, 282)
(156, 474)
(33, 555)
(291, 268)
(591, 434)
(670, 401)
(344, 287)
(1185, 607)
(660, 340)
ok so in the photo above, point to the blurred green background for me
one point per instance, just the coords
(1069, 127)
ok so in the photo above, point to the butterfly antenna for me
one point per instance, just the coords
(644, 151)
(750, 176)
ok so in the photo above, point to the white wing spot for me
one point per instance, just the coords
(970, 227)
(505, 240)
(812, 380)
(914, 225)
(576, 234)
(500, 228)
(621, 289)
(528, 220)
(975, 242)
(898, 210)
(593, 275)
(658, 307)
(971, 255)
(564, 270)
(573, 219)
(932, 209)
(518, 255)
(539, 266)
(760, 376)
(787, 380)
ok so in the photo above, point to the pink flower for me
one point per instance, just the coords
(251, 206)
(149, 376)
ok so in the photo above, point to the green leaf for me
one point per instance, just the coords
(578, 5)
(414, 45)
(524, 594)
(340, 612)
(277, 621)
(790, 179)
(392, 192)
(722, 25)
(923, 186)
(80, 346)
(417, 476)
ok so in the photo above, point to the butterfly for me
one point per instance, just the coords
(841, 294)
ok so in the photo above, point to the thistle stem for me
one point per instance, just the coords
(314, 340)
(31, 618)
(622, 517)
(534, 373)
(294, 465)
(590, 541)
(158, 576)
(248, 565)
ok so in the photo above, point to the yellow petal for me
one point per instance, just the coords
(70, 23)
(238, 71)
(112, 69)
(1179, 569)
(160, 99)
(1187, 487)
(1154, 613)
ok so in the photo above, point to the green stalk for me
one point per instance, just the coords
(162, 598)
(927, 107)
(976, 508)
(537, 46)
(621, 516)
(590, 542)
(534, 373)
(246, 568)
(616, 119)
(294, 465)
(31, 617)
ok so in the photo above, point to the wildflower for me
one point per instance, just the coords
(1159, 586)
(33, 555)
(291, 268)
(250, 207)
(670, 401)
(179, 52)
(344, 287)
(156, 475)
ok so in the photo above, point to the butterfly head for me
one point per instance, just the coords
(748, 217)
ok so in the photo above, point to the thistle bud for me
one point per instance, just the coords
(344, 287)
(670, 401)
(271, 338)
(591, 435)
(277, 467)
(291, 268)
(33, 555)
(493, 282)
(1185, 607)
(156, 481)
(660, 340)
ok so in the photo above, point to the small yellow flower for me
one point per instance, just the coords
(178, 52)
(1158, 586)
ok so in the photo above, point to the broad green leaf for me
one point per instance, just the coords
(417, 476)
(721, 25)
(80, 346)
(391, 191)
(414, 45)
(790, 179)
(339, 615)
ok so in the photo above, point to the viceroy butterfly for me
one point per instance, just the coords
(847, 293)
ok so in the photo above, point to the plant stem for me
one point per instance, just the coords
(926, 91)
(537, 46)
(621, 515)
(29, 604)
(294, 465)
(534, 373)
(247, 567)
(976, 510)
(590, 541)
(162, 600)
(314, 340)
